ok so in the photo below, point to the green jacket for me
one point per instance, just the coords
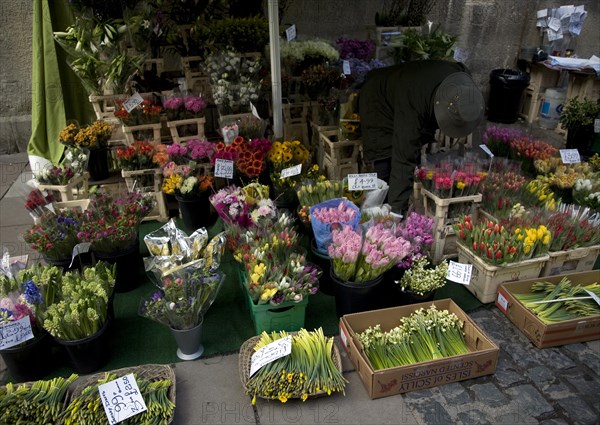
(397, 119)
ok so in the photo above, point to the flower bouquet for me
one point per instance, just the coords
(318, 79)
(91, 137)
(283, 156)
(192, 152)
(358, 259)
(182, 182)
(142, 155)
(55, 235)
(184, 107)
(499, 139)
(422, 280)
(146, 112)
(586, 192)
(38, 202)
(501, 191)
(231, 205)
(249, 156)
(324, 215)
(312, 192)
(418, 230)
(74, 164)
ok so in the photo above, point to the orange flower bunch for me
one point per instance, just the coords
(248, 155)
(142, 155)
(524, 148)
(145, 113)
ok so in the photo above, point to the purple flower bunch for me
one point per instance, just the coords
(193, 150)
(359, 259)
(353, 48)
(231, 205)
(184, 107)
(418, 230)
(499, 139)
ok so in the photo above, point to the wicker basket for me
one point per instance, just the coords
(245, 360)
(150, 372)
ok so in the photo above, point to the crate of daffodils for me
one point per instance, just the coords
(401, 349)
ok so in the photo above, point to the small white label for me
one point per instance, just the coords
(271, 352)
(254, 111)
(130, 103)
(487, 150)
(14, 333)
(346, 67)
(121, 399)
(502, 302)
(290, 33)
(593, 295)
(343, 336)
(291, 171)
(224, 168)
(570, 156)
(597, 125)
(459, 273)
(80, 248)
(364, 181)
(554, 24)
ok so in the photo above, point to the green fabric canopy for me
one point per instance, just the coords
(57, 94)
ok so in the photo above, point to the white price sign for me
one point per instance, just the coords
(291, 171)
(130, 103)
(487, 150)
(14, 333)
(502, 301)
(224, 168)
(364, 181)
(459, 273)
(270, 352)
(570, 156)
(254, 111)
(597, 125)
(346, 67)
(80, 248)
(121, 399)
(290, 33)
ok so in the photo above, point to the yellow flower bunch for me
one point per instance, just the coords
(288, 153)
(258, 272)
(542, 192)
(595, 162)
(536, 241)
(172, 183)
(94, 136)
(566, 175)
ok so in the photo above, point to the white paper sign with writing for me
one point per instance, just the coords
(346, 67)
(459, 273)
(121, 399)
(290, 33)
(14, 333)
(271, 352)
(570, 156)
(291, 171)
(80, 248)
(224, 168)
(363, 181)
(487, 150)
(130, 103)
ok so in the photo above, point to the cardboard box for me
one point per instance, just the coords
(543, 334)
(386, 382)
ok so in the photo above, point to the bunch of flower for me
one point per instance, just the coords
(586, 192)
(423, 336)
(142, 155)
(284, 155)
(595, 162)
(250, 127)
(499, 139)
(110, 223)
(312, 192)
(350, 128)
(501, 191)
(55, 235)
(81, 306)
(321, 77)
(93, 136)
(234, 81)
(146, 112)
(447, 179)
(37, 201)
(540, 193)
(183, 181)
(181, 108)
(359, 69)
(183, 299)
(193, 150)
(418, 230)
(341, 214)
(307, 51)
(74, 164)
(353, 48)
(496, 244)
(275, 282)
(421, 279)
(359, 259)
(20, 298)
(527, 151)
(231, 205)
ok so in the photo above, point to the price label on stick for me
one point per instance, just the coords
(80, 248)
(224, 168)
(459, 273)
(121, 399)
(593, 295)
(130, 103)
(270, 352)
(487, 150)
(364, 181)
(290, 33)
(570, 156)
(15, 332)
(291, 171)
(346, 67)
(254, 111)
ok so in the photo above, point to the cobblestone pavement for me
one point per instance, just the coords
(531, 385)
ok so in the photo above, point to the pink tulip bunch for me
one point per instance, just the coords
(343, 213)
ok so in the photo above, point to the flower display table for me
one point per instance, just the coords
(152, 181)
(175, 127)
(77, 188)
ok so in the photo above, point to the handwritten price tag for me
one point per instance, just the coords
(290, 33)
(130, 103)
(487, 150)
(271, 352)
(459, 273)
(291, 171)
(14, 333)
(121, 399)
(364, 181)
(346, 68)
(80, 248)
(224, 168)
(570, 156)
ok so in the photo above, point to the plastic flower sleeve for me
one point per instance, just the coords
(197, 242)
(214, 252)
(375, 197)
(168, 240)
(334, 211)
(157, 266)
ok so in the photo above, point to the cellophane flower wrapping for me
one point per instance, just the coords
(324, 215)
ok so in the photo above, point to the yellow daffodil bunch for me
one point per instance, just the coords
(535, 240)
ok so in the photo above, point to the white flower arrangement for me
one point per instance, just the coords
(297, 51)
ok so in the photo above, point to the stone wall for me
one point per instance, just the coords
(491, 34)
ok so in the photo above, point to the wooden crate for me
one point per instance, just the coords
(160, 211)
(77, 188)
(295, 122)
(175, 126)
(316, 146)
(129, 132)
(339, 158)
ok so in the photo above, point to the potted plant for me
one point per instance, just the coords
(413, 45)
(577, 117)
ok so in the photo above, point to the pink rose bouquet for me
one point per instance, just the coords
(193, 150)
